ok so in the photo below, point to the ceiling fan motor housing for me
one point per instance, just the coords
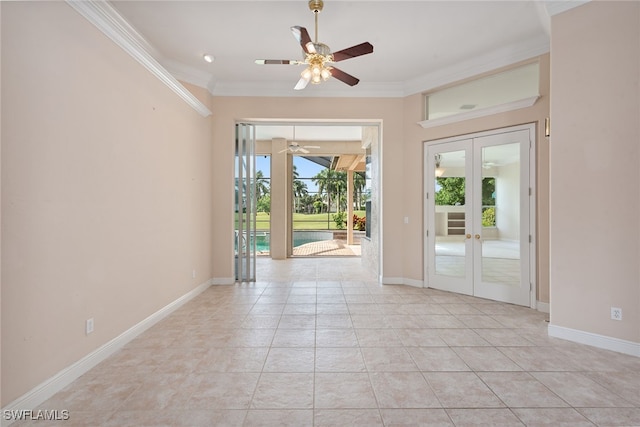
(316, 5)
(323, 49)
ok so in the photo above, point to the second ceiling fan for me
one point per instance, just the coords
(318, 55)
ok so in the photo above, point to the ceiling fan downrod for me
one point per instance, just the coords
(316, 7)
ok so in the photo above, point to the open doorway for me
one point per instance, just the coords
(316, 177)
(312, 189)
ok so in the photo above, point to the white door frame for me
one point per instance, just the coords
(429, 169)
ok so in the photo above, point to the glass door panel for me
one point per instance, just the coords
(499, 211)
(449, 203)
(245, 204)
(502, 217)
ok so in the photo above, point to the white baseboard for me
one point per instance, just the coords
(401, 281)
(542, 307)
(392, 280)
(595, 340)
(413, 282)
(39, 394)
(223, 281)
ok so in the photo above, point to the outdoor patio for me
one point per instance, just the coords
(325, 248)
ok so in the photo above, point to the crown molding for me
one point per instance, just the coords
(499, 58)
(189, 74)
(113, 25)
(556, 7)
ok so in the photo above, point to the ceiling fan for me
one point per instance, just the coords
(317, 55)
(294, 147)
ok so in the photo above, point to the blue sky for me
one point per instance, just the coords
(305, 168)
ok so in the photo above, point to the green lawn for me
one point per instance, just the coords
(303, 221)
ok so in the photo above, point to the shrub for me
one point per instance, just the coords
(489, 217)
(359, 223)
(340, 219)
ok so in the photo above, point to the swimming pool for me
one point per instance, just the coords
(299, 238)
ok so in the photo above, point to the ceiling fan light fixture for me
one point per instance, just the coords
(208, 58)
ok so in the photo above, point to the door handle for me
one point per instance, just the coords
(468, 236)
(477, 236)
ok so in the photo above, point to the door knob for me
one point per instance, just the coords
(477, 236)
(468, 236)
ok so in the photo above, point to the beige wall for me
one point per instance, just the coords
(415, 135)
(229, 109)
(106, 192)
(595, 164)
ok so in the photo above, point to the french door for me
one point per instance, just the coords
(245, 204)
(478, 212)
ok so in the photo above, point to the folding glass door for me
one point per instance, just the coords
(245, 204)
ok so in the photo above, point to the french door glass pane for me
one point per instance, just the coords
(450, 198)
(500, 213)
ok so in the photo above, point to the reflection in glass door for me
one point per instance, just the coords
(501, 215)
(478, 216)
(449, 205)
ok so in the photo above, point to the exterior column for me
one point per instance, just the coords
(279, 206)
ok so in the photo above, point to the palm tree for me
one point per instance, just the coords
(322, 180)
(299, 190)
(262, 185)
(359, 184)
(340, 185)
(332, 184)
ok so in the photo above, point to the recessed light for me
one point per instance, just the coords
(208, 58)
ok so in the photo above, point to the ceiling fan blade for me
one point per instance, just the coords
(311, 146)
(353, 51)
(344, 77)
(283, 151)
(277, 61)
(302, 150)
(302, 35)
(302, 83)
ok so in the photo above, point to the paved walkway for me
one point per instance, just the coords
(327, 248)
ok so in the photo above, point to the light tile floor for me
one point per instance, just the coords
(318, 342)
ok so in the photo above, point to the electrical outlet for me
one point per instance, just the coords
(616, 313)
(89, 326)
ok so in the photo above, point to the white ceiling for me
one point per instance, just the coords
(418, 45)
